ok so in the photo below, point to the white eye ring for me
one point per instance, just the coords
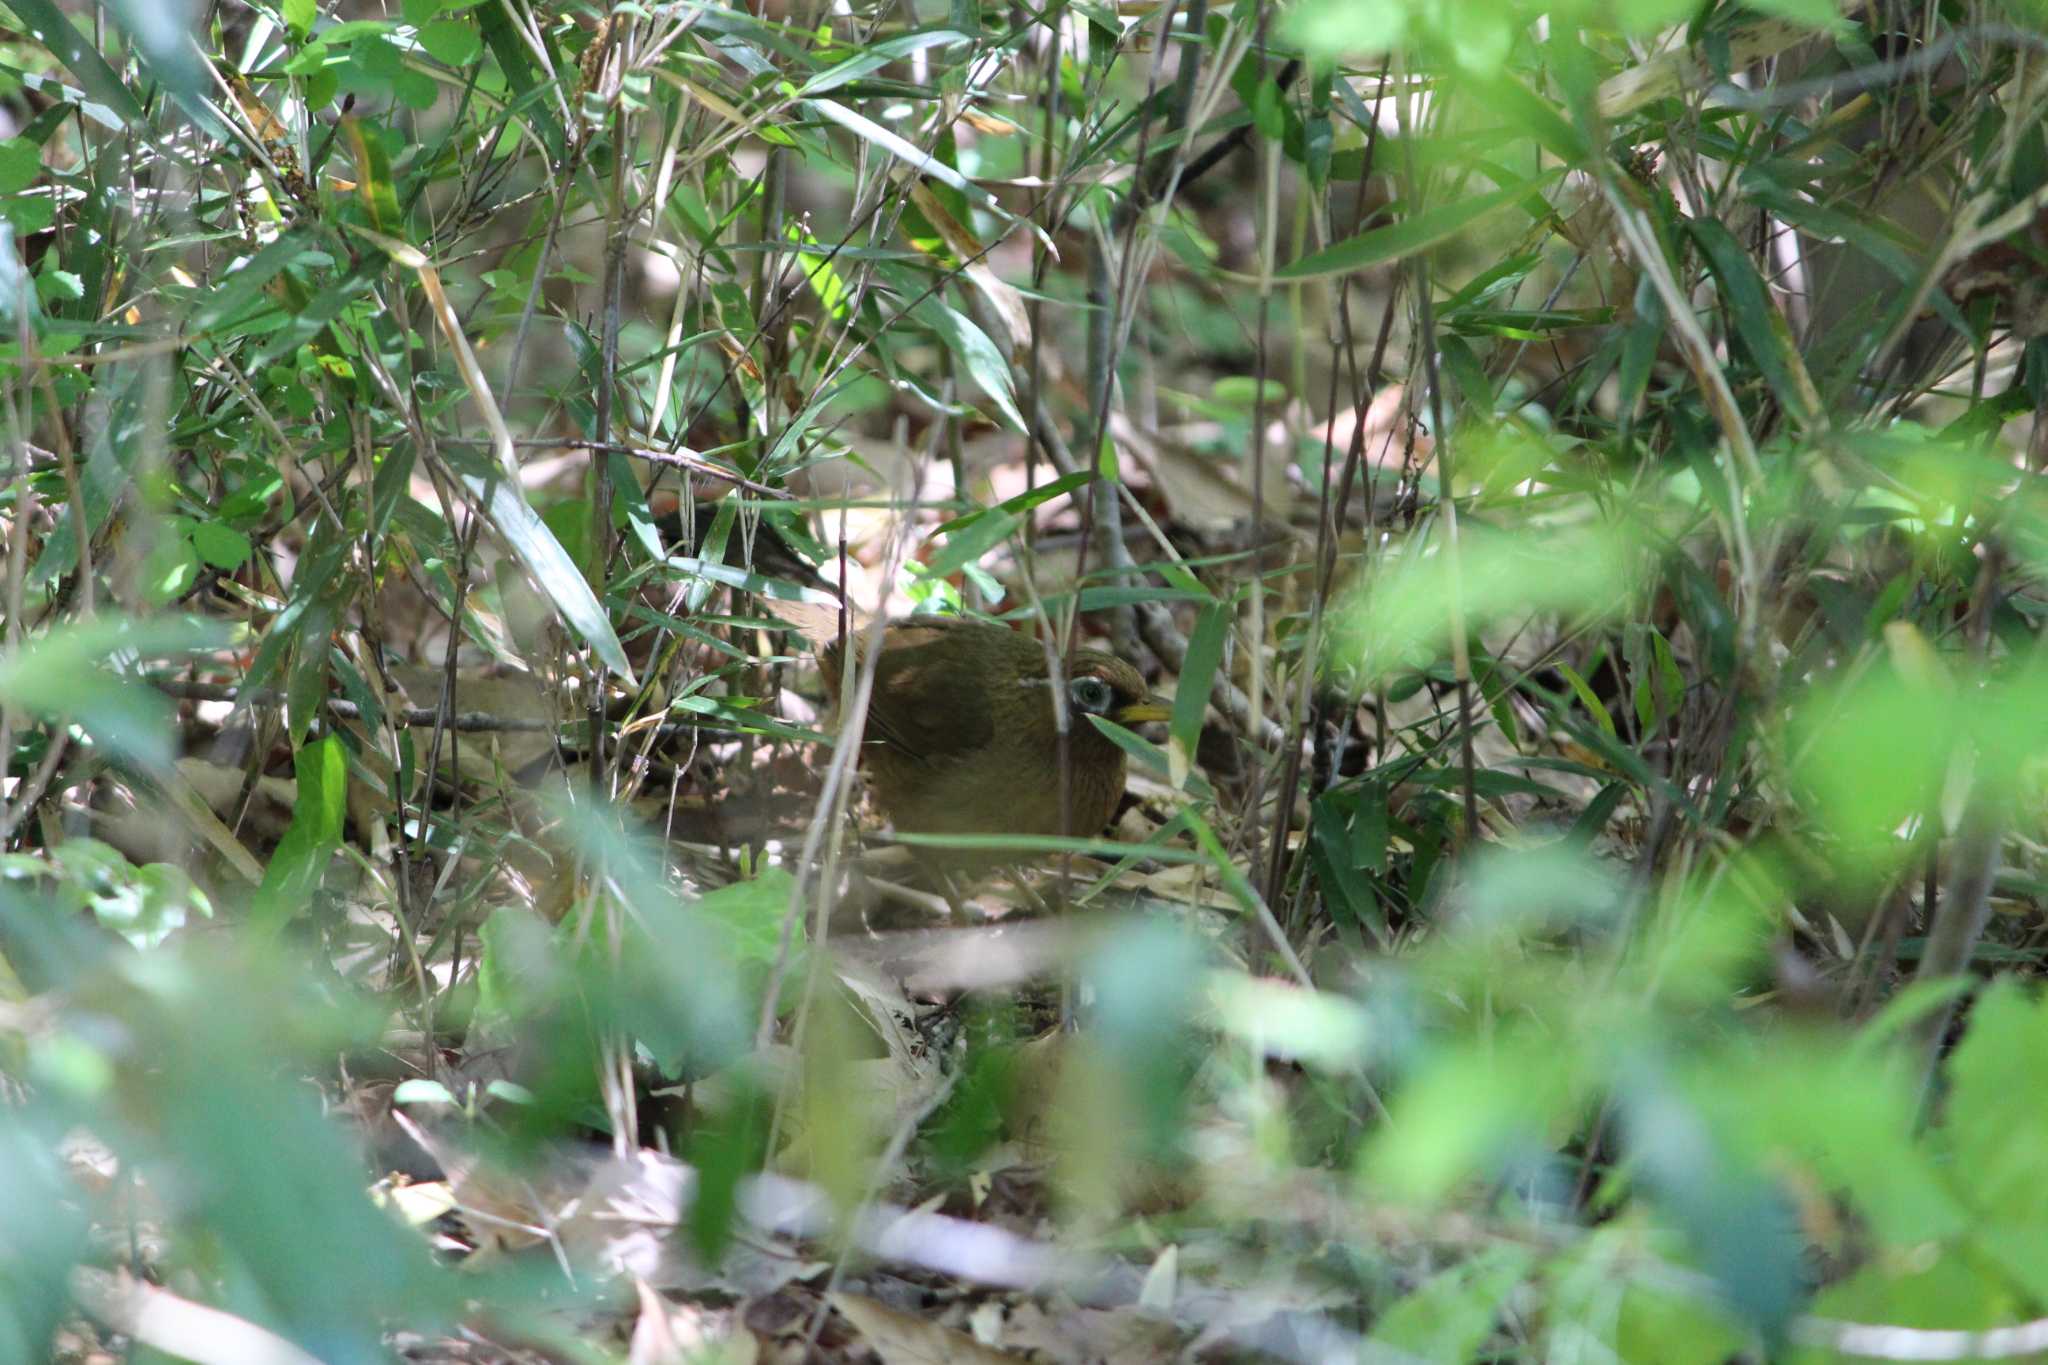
(1091, 695)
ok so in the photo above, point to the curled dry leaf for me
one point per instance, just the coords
(900, 1339)
(667, 1333)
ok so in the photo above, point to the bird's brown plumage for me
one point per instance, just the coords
(962, 735)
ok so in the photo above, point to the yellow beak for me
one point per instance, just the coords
(1145, 712)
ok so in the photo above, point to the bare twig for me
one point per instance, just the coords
(467, 721)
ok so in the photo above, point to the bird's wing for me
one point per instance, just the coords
(918, 705)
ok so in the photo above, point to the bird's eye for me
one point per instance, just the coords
(1091, 695)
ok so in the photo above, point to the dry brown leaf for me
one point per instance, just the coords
(667, 1333)
(503, 1212)
(417, 1203)
(1003, 301)
(142, 833)
(1111, 1336)
(1206, 492)
(655, 1340)
(900, 1339)
(177, 1326)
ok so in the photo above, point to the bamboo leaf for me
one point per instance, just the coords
(1196, 683)
(54, 30)
(1410, 235)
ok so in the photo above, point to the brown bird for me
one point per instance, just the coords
(962, 736)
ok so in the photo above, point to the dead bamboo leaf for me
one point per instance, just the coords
(1004, 301)
(177, 1326)
(209, 827)
(900, 1339)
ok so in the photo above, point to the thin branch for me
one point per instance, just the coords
(468, 721)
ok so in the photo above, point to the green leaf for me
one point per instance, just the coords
(750, 915)
(876, 57)
(313, 57)
(415, 89)
(1328, 30)
(373, 174)
(319, 816)
(306, 683)
(1451, 1315)
(1820, 14)
(453, 42)
(21, 161)
(919, 160)
(221, 545)
(968, 545)
(1198, 677)
(55, 31)
(1268, 114)
(551, 570)
(299, 16)
(29, 214)
(1588, 698)
(1757, 320)
(169, 570)
(1417, 232)
(1242, 391)
(1469, 1110)
(1996, 1123)
(732, 576)
(58, 286)
(161, 33)
(419, 1090)
(984, 363)
(237, 290)
(1023, 502)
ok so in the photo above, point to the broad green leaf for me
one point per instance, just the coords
(1995, 1121)
(452, 42)
(21, 161)
(1468, 1111)
(751, 915)
(1820, 14)
(233, 293)
(162, 31)
(319, 817)
(1451, 1314)
(1403, 614)
(373, 177)
(221, 545)
(1329, 30)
